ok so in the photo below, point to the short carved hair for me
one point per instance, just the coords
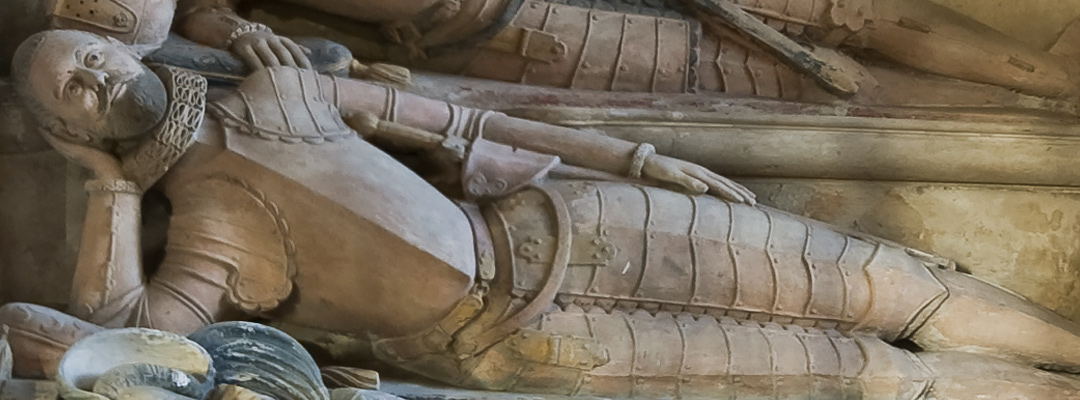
(21, 64)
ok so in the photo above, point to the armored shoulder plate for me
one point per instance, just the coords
(286, 104)
(110, 15)
(142, 24)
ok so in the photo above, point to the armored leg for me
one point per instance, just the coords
(930, 37)
(983, 318)
(975, 376)
(679, 356)
(592, 352)
(641, 248)
(619, 290)
(620, 354)
(635, 247)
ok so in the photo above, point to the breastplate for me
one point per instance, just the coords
(285, 104)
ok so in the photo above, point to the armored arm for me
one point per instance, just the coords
(209, 22)
(215, 23)
(111, 287)
(110, 261)
(576, 148)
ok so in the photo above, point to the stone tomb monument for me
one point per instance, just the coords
(501, 250)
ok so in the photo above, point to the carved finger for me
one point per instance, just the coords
(750, 197)
(692, 184)
(731, 190)
(297, 53)
(282, 53)
(247, 54)
(719, 186)
(726, 192)
(104, 165)
(266, 55)
(744, 194)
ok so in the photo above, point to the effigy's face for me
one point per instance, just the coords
(94, 83)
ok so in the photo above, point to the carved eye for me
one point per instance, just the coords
(93, 59)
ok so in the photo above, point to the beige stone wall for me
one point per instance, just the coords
(1038, 22)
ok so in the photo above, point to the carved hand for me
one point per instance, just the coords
(695, 178)
(265, 49)
(105, 166)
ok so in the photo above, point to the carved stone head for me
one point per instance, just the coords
(87, 88)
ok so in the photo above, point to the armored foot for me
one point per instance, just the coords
(39, 336)
(979, 317)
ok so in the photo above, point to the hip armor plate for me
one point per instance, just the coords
(634, 247)
(579, 48)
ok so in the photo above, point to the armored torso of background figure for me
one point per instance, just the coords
(696, 45)
(281, 211)
(143, 24)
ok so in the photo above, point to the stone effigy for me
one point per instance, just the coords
(735, 47)
(562, 267)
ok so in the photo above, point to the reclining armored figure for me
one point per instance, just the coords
(741, 47)
(618, 288)
(731, 46)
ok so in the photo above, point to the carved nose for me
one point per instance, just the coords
(91, 78)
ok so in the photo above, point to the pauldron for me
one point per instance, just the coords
(143, 24)
(110, 15)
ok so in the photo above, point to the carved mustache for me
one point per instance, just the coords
(110, 91)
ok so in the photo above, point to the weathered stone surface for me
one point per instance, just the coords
(534, 258)
(24, 389)
(426, 390)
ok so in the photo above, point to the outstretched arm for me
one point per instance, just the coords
(574, 147)
(216, 24)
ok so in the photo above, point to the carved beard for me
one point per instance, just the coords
(135, 112)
